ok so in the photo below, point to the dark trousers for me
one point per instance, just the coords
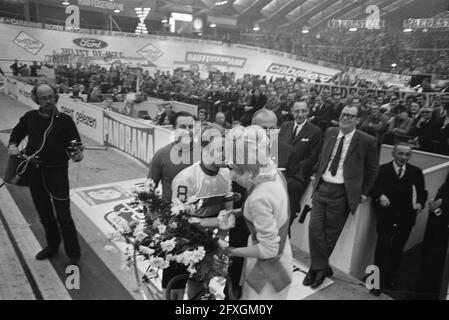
(295, 191)
(59, 223)
(391, 239)
(330, 210)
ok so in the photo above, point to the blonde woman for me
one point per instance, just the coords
(268, 266)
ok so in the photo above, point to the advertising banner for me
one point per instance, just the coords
(24, 94)
(88, 119)
(345, 91)
(129, 136)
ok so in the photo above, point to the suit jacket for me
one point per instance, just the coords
(323, 115)
(399, 192)
(307, 145)
(360, 166)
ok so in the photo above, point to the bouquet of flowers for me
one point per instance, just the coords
(167, 235)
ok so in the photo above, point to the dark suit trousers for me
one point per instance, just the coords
(391, 240)
(330, 210)
(295, 191)
(58, 223)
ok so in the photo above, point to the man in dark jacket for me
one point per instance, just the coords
(396, 210)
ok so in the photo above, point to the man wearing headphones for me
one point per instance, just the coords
(52, 137)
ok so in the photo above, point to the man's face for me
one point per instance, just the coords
(348, 119)
(414, 108)
(402, 154)
(380, 100)
(420, 100)
(184, 130)
(202, 116)
(394, 102)
(426, 113)
(374, 110)
(213, 153)
(300, 111)
(45, 96)
(220, 118)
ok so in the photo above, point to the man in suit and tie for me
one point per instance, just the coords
(395, 210)
(346, 172)
(322, 113)
(306, 138)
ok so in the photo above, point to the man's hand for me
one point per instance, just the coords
(13, 150)
(435, 204)
(384, 201)
(226, 220)
(418, 207)
(364, 198)
(77, 156)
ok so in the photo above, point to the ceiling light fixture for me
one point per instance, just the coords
(256, 27)
(352, 29)
(164, 20)
(407, 30)
(213, 25)
(66, 3)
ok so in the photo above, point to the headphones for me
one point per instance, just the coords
(34, 92)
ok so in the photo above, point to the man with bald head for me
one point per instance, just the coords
(50, 136)
(306, 139)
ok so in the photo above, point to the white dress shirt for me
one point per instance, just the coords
(338, 178)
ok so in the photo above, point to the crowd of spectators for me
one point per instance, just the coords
(415, 52)
(228, 100)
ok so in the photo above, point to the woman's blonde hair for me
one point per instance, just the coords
(248, 154)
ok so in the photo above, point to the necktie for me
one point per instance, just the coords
(334, 165)
(295, 132)
(399, 172)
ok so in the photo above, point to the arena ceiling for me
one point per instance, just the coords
(286, 16)
(292, 15)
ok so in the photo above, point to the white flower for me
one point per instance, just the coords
(177, 207)
(140, 236)
(158, 262)
(168, 245)
(223, 244)
(146, 250)
(162, 228)
(191, 269)
(170, 257)
(151, 273)
(149, 184)
(173, 225)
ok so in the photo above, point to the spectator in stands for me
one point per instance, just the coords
(33, 69)
(414, 113)
(388, 108)
(75, 95)
(15, 68)
(166, 115)
(322, 113)
(399, 127)
(129, 110)
(427, 131)
(444, 138)
(95, 95)
(375, 123)
(25, 71)
(108, 104)
(202, 117)
(257, 102)
(438, 111)
(220, 119)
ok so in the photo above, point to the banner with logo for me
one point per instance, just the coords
(88, 119)
(230, 61)
(290, 71)
(24, 94)
(129, 136)
(345, 91)
(23, 42)
(11, 87)
(371, 75)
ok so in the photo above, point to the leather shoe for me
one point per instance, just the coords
(46, 253)
(320, 276)
(309, 278)
(375, 292)
(74, 261)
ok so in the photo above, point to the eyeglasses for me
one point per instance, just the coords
(347, 115)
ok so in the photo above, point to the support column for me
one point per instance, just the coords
(26, 10)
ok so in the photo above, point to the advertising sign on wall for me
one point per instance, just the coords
(129, 136)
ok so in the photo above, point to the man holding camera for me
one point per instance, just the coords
(52, 140)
